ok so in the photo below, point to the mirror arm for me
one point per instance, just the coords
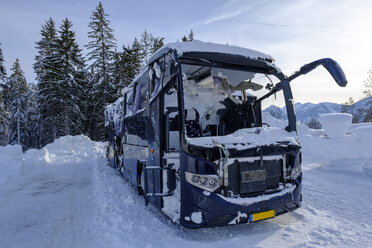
(329, 64)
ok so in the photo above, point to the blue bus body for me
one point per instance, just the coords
(188, 134)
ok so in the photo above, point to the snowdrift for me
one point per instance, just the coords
(65, 150)
(355, 143)
(64, 196)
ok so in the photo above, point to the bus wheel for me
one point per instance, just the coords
(140, 167)
(121, 167)
(110, 155)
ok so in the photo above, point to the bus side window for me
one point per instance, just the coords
(156, 76)
(172, 142)
(143, 88)
(168, 69)
(129, 104)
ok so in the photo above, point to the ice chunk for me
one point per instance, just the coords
(336, 124)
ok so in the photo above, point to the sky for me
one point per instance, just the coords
(293, 32)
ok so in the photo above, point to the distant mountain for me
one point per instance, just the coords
(276, 112)
(306, 111)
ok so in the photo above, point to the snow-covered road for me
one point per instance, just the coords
(65, 196)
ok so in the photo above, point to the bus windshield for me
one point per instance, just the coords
(219, 101)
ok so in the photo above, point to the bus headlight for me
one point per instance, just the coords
(206, 182)
(296, 171)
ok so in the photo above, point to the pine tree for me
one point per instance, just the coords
(2, 67)
(368, 85)
(118, 72)
(349, 107)
(314, 123)
(3, 79)
(47, 71)
(188, 38)
(4, 125)
(18, 105)
(101, 55)
(368, 116)
(157, 43)
(146, 44)
(71, 80)
(131, 62)
(150, 44)
(191, 35)
(32, 116)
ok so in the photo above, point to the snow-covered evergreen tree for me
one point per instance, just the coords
(150, 44)
(2, 67)
(190, 37)
(117, 73)
(47, 71)
(32, 116)
(4, 125)
(60, 70)
(146, 43)
(368, 85)
(3, 80)
(17, 87)
(131, 62)
(71, 80)
(101, 56)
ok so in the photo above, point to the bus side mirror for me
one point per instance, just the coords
(337, 73)
(331, 66)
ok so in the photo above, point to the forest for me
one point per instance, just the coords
(71, 89)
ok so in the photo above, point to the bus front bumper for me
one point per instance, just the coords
(206, 209)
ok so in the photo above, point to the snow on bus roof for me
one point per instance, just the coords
(207, 47)
(199, 46)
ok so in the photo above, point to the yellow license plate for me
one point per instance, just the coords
(262, 216)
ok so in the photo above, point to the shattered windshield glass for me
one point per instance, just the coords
(212, 95)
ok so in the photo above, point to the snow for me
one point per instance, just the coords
(64, 195)
(198, 46)
(335, 125)
(249, 201)
(256, 136)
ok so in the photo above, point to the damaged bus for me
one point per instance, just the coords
(189, 134)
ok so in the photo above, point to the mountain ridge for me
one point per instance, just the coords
(307, 111)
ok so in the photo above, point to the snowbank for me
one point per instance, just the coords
(65, 150)
(10, 160)
(316, 146)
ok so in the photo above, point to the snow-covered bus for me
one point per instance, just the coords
(189, 133)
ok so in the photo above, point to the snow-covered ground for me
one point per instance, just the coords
(65, 196)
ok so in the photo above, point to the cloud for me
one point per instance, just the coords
(226, 15)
